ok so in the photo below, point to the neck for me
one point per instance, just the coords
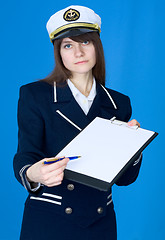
(83, 82)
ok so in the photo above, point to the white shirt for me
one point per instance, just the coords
(84, 102)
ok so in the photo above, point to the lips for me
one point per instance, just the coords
(81, 62)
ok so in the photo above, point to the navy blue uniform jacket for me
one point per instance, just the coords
(70, 210)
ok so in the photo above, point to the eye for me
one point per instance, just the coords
(67, 46)
(85, 42)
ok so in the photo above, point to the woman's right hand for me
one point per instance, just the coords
(48, 174)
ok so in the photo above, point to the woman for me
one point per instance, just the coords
(51, 113)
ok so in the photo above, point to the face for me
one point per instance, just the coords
(78, 57)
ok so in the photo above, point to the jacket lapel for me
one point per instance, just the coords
(68, 107)
(102, 105)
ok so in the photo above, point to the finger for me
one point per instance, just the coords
(54, 180)
(56, 165)
(54, 184)
(133, 122)
(48, 176)
(59, 164)
(55, 173)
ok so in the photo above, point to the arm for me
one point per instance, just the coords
(30, 135)
(131, 174)
(28, 167)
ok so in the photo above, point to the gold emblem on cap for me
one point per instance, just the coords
(71, 15)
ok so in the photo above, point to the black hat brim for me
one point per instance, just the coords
(73, 32)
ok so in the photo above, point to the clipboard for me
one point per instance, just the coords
(107, 148)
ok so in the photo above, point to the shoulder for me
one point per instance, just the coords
(119, 98)
(123, 104)
(117, 95)
(36, 87)
(36, 90)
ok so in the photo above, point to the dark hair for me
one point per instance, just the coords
(60, 74)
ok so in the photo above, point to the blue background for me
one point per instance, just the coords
(133, 37)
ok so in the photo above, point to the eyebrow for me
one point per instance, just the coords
(67, 41)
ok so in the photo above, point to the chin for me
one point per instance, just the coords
(83, 70)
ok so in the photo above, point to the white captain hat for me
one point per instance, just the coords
(73, 21)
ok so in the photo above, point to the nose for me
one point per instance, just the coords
(78, 50)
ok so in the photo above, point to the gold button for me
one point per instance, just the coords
(100, 210)
(68, 210)
(70, 187)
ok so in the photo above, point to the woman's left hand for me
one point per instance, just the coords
(134, 122)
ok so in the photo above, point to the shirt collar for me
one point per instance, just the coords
(76, 92)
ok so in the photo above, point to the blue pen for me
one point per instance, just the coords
(59, 159)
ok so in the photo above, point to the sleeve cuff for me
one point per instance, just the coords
(28, 186)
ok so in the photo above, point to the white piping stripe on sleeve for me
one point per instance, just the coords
(22, 169)
(52, 195)
(55, 93)
(138, 160)
(21, 173)
(62, 115)
(45, 200)
(109, 96)
(110, 195)
(109, 202)
(23, 182)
